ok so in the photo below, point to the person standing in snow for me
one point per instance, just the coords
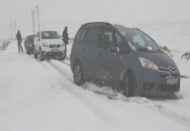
(65, 36)
(19, 40)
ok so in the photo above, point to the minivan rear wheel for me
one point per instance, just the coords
(128, 85)
(78, 74)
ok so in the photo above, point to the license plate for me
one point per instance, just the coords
(171, 81)
(54, 50)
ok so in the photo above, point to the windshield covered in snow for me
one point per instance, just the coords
(137, 39)
(50, 35)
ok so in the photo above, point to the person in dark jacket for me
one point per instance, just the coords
(19, 40)
(65, 36)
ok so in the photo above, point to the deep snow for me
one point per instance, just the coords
(41, 96)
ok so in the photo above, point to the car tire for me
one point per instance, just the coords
(35, 53)
(78, 74)
(127, 87)
(41, 55)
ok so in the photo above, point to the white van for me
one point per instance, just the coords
(50, 45)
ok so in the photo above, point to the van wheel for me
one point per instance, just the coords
(41, 55)
(78, 74)
(128, 85)
(35, 54)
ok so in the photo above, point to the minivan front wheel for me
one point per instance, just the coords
(78, 74)
(128, 85)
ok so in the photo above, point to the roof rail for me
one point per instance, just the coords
(96, 23)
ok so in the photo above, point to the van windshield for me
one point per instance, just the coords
(50, 35)
(137, 39)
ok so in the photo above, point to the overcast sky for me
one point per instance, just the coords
(56, 14)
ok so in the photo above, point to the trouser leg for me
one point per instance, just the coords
(21, 47)
(18, 47)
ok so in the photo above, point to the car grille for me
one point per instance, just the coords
(168, 72)
(163, 69)
(54, 46)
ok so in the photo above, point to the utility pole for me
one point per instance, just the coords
(37, 7)
(11, 30)
(33, 21)
(14, 30)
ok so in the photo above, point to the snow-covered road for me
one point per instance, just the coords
(41, 96)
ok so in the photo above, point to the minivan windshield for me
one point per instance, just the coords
(49, 35)
(137, 39)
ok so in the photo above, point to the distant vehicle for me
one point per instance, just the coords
(126, 59)
(50, 45)
(29, 44)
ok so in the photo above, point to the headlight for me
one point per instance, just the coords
(44, 45)
(148, 64)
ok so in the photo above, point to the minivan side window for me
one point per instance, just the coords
(94, 36)
(80, 35)
(121, 43)
(108, 38)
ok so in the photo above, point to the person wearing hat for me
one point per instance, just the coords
(65, 36)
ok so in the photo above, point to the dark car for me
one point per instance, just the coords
(29, 44)
(126, 59)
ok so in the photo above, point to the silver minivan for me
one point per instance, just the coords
(125, 59)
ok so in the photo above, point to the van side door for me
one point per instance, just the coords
(111, 63)
(90, 59)
(106, 57)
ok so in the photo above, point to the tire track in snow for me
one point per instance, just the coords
(150, 104)
(153, 105)
(76, 91)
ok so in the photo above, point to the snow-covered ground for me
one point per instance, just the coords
(41, 96)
